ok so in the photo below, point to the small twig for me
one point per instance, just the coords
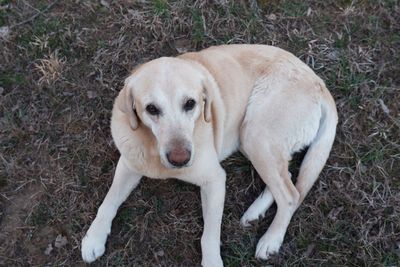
(36, 15)
(27, 4)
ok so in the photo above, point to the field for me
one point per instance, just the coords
(63, 62)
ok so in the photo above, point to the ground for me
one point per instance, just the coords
(63, 62)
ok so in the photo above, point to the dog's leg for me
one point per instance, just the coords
(212, 200)
(125, 180)
(272, 166)
(258, 208)
(275, 174)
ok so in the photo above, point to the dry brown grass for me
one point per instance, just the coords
(60, 72)
(50, 68)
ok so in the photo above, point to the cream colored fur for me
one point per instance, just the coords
(259, 99)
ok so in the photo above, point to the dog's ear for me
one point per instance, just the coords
(127, 104)
(213, 109)
(208, 85)
(207, 106)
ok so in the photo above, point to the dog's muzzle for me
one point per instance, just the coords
(179, 157)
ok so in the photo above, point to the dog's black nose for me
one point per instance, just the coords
(179, 157)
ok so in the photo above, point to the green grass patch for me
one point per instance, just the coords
(160, 205)
(100, 44)
(390, 4)
(238, 253)
(178, 258)
(394, 38)
(44, 26)
(3, 180)
(343, 78)
(183, 187)
(83, 180)
(303, 240)
(15, 126)
(390, 258)
(235, 9)
(297, 44)
(293, 8)
(124, 218)
(161, 7)
(342, 41)
(80, 159)
(355, 101)
(321, 23)
(374, 154)
(9, 79)
(48, 30)
(41, 215)
(107, 167)
(252, 24)
(3, 18)
(198, 26)
(344, 3)
(118, 259)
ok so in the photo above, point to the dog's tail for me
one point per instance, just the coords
(320, 147)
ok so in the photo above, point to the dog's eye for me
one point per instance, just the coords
(189, 105)
(153, 110)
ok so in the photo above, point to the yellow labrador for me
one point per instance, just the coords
(179, 117)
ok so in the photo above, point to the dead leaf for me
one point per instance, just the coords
(334, 213)
(60, 241)
(91, 94)
(183, 45)
(48, 250)
(310, 250)
(272, 16)
(135, 14)
(309, 11)
(105, 3)
(334, 55)
(160, 253)
(383, 106)
(4, 32)
(15, 108)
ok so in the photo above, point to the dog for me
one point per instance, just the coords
(181, 116)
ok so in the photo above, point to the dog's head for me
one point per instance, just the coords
(168, 95)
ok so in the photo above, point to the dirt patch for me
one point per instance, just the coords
(14, 225)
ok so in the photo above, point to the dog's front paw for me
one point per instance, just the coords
(215, 261)
(267, 246)
(93, 246)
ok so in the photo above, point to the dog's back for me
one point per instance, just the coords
(246, 74)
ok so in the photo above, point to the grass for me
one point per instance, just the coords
(293, 8)
(40, 215)
(198, 28)
(10, 78)
(161, 7)
(57, 158)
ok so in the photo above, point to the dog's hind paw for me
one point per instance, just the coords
(258, 208)
(92, 248)
(251, 214)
